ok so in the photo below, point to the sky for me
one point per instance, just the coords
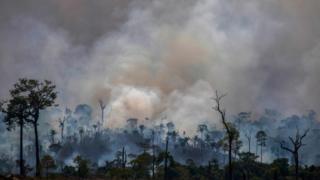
(164, 59)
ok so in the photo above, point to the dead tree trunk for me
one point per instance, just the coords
(166, 160)
(61, 124)
(102, 107)
(230, 134)
(153, 154)
(248, 136)
(124, 158)
(21, 162)
(297, 144)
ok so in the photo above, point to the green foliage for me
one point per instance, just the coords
(40, 94)
(119, 173)
(47, 163)
(280, 167)
(141, 165)
(69, 171)
(261, 137)
(29, 96)
(235, 136)
(247, 157)
(82, 166)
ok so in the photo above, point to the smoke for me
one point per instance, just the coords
(150, 59)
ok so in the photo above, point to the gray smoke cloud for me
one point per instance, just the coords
(165, 58)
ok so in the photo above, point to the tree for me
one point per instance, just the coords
(236, 142)
(123, 158)
(63, 121)
(102, 107)
(153, 153)
(81, 132)
(297, 144)
(141, 127)
(82, 166)
(248, 136)
(280, 166)
(61, 125)
(39, 95)
(47, 162)
(261, 137)
(228, 127)
(202, 128)
(166, 160)
(141, 165)
(52, 135)
(16, 113)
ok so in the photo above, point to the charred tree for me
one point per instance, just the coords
(248, 136)
(153, 154)
(123, 158)
(297, 144)
(61, 125)
(228, 127)
(102, 107)
(166, 160)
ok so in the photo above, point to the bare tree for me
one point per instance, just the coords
(229, 129)
(102, 107)
(261, 137)
(52, 135)
(61, 125)
(248, 136)
(166, 160)
(297, 144)
(153, 153)
(123, 157)
(63, 121)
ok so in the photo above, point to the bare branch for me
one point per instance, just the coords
(102, 105)
(304, 134)
(285, 148)
(293, 141)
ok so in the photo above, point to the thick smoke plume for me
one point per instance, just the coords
(163, 59)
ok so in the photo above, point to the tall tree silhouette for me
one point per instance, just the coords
(52, 135)
(261, 137)
(231, 134)
(40, 95)
(61, 125)
(248, 136)
(297, 144)
(166, 160)
(102, 107)
(16, 113)
(62, 122)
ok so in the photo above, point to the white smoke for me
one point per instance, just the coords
(165, 57)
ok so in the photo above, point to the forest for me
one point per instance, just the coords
(159, 89)
(268, 147)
